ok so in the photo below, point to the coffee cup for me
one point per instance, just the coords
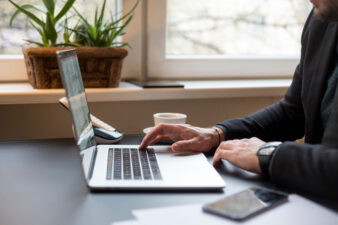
(169, 118)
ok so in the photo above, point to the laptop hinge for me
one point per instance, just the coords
(92, 164)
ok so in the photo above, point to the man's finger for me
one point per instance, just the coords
(229, 145)
(161, 129)
(220, 154)
(185, 145)
(158, 130)
(159, 138)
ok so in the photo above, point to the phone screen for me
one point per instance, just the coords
(246, 203)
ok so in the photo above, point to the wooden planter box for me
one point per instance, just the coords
(100, 66)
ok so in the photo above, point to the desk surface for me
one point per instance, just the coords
(42, 183)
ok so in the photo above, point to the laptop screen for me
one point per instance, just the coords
(82, 126)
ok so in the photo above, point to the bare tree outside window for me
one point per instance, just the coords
(12, 38)
(235, 27)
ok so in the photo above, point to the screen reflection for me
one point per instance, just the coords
(82, 126)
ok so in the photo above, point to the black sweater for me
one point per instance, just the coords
(311, 167)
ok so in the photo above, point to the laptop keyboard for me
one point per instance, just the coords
(132, 164)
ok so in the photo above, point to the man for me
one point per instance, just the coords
(309, 107)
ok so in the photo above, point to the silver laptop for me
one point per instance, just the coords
(125, 167)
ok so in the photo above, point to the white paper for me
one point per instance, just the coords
(297, 210)
(127, 222)
(189, 214)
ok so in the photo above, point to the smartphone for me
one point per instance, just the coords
(245, 204)
(157, 84)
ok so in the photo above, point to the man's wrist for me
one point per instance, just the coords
(218, 136)
(221, 131)
(215, 137)
(265, 154)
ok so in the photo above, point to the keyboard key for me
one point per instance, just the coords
(117, 164)
(154, 165)
(145, 165)
(126, 164)
(110, 164)
(136, 164)
(132, 163)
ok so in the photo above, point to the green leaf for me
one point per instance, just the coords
(119, 31)
(42, 34)
(25, 6)
(64, 10)
(96, 25)
(102, 12)
(36, 28)
(77, 31)
(61, 24)
(95, 17)
(66, 37)
(85, 35)
(114, 24)
(50, 29)
(50, 6)
(35, 42)
(66, 34)
(102, 32)
(65, 44)
(29, 14)
(130, 11)
(44, 38)
(120, 44)
(87, 25)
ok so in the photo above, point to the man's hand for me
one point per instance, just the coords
(185, 137)
(241, 153)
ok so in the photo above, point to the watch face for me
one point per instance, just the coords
(267, 151)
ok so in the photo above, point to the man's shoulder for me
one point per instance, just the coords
(315, 26)
(316, 33)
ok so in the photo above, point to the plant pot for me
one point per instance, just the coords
(100, 66)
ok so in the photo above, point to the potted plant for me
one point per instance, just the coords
(100, 54)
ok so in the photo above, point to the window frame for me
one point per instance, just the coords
(12, 68)
(147, 60)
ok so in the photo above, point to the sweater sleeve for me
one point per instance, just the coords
(307, 168)
(281, 121)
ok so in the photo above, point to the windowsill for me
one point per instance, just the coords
(23, 93)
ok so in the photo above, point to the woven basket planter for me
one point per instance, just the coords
(100, 66)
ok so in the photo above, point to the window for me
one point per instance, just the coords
(174, 39)
(225, 38)
(12, 38)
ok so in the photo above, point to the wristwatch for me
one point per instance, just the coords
(265, 153)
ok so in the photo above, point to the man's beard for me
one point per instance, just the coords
(327, 11)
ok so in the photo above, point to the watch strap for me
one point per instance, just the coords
(264, 155)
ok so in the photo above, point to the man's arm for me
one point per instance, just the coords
(281, 121)
(305, 167)
(184, 136)
(297, 166)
